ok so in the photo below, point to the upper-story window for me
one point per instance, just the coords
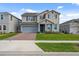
(31, 18)
(34, 18)
(1, 17)
(50, 16)
(27, 18)
(55, 16)
(0, 27)
(4, 27)
(11, 17)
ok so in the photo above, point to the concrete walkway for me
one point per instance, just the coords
(19, 47)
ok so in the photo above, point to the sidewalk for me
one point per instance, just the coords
(19, 47)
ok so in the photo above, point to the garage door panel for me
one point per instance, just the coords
(29, 29)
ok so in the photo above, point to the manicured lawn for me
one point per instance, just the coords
(42, 36)
(3, 36)
(59, 47)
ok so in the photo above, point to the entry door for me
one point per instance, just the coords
(42, 27)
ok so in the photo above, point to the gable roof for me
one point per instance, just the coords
(35, 14)
(46, 20)
(10, 14)
(29, 14)
(50, 11)
(73, 20)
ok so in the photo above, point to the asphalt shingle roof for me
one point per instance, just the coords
(29, 14)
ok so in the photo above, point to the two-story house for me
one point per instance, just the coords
(46, 21)
(9, 23)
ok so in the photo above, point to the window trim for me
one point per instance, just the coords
(55, 26)
(26, 18)
(1, 17)
(49, 28)
(0, 27)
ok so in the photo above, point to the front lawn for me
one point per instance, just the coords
(59, 47)
(4, 36)
(42, 36)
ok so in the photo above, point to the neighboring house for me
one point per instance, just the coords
(71, 26)
(9, 23)
(46, 21)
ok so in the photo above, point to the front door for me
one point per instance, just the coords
(42, 27)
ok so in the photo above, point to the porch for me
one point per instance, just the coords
(45, 28)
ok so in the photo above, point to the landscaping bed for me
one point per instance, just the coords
(4, 36)
(59, 47)
(44, 36)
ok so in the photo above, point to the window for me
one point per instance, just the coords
(1, 17)
(4, 27)
(0, 27)
(49, 26)
(55, 27)
(11, 17)
(50, 16)
(40, 17)
(55, 16)
(34, 18)
(27, 18)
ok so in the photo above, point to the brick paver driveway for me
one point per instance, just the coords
(24, 36)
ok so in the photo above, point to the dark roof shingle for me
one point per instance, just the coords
(29, 14)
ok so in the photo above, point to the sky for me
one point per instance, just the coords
(67, 11)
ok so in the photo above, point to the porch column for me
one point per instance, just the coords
(45, 27)
(38, 27)
(52, 27)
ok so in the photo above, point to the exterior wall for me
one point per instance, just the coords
(23, 19)
(5, 21)
(11, 25)
(71, 27)
(74, 28)
(65, 28)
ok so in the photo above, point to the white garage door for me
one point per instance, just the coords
(29, 29)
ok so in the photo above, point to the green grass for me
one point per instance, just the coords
(42, 36)
(59, 47)
(7, 35)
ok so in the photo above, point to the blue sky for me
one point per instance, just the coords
(68, 10)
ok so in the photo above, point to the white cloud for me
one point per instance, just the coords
(18, 13)
(59, 7)
(28, 10)
(64, 16)
(68, 16)
(76, 4)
